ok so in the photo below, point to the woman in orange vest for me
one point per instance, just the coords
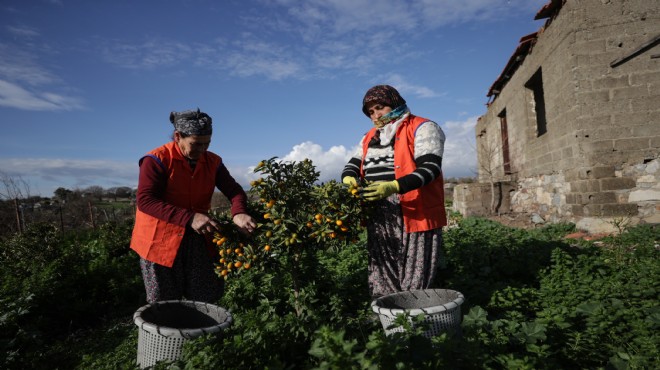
(172, 225)
(400, 161)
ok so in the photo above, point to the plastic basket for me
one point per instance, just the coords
(441, 309)
(164, 326)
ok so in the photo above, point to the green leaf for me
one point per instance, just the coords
(532, 332)
(589, 308)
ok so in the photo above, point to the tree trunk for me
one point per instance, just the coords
(91, 215)
(19, 223)
(492, 197)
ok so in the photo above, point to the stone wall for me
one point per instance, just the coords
(598, 159)
(474, 199)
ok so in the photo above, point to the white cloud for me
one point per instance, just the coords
(15, 96)
(148, 55)
(442, 12)
(295, 40)
(404, 87)
(26, 85)
(329, 163)
(22, 31)
(247, 64)
(460, 158)
(45, 174)
(21, 66)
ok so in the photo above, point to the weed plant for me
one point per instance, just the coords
(533, 301)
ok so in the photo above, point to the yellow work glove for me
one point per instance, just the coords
(350, 181)
(380, 190)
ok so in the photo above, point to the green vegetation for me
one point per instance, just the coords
(533, 301)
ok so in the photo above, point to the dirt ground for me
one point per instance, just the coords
(521, 221)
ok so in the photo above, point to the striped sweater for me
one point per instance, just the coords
(379, 161)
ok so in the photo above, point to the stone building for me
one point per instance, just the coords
(572, 127)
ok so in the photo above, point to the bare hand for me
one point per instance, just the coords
(245, 223)
(203, 224)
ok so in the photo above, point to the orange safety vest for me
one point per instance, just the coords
(424, 208)
(156, 240)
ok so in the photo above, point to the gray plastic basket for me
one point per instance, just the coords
(441, 307)
(164, 326)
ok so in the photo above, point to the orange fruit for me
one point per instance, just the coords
(266, 215)
(270, 203)
(318, 216)
(267, 248)
(339, 222)
(224, 272)
(344, 228)
(238, 264)
(269, 234)
(277, 222)
(246, 266)
(237, 250)
(221, 241)
(309, 224)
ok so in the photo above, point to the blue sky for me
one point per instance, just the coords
(86, 87)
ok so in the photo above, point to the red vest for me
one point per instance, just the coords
(156, 240)
(424, 208)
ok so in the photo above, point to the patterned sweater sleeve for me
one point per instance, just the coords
(429, 148)
(352, 168)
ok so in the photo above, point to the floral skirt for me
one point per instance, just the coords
(398, 260)
(191, 277)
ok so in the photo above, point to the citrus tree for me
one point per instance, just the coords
(295, 217)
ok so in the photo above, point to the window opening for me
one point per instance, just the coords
(535, 84)
(506, 159)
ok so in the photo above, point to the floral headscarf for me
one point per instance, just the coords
(383, 94)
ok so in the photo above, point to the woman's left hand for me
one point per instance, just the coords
(380, 190)
(245, 223)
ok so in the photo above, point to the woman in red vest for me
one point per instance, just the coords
(172, 227)
(400, 160)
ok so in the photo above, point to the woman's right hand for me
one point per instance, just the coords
(203, 224)
(350, 181)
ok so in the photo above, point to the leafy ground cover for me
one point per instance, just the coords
(534, 300)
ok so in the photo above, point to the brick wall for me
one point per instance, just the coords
(603, 122)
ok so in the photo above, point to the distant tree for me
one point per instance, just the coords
(62, 194)
(13, 187)
(490, 167)
(15, 190)
(111, 193)
(124, 192)
(118, 192)
(95, 191)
